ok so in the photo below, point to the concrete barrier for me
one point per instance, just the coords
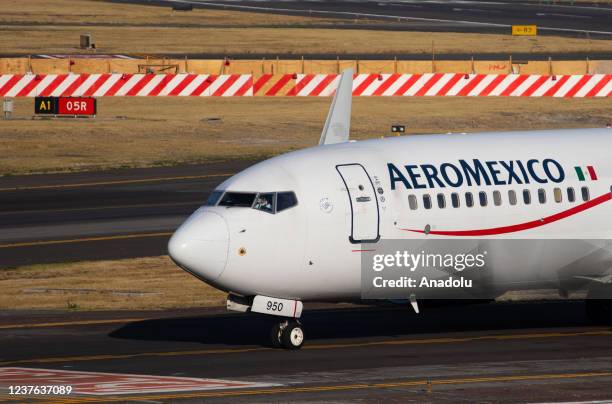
(297, 66)
(50, 66)
(14, 65)
(443, 84)
(305, 85)
(600, 66)
(118, 85)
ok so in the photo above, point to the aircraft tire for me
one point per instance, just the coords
(276, 335)
(293, 336)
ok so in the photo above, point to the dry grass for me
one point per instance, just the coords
(157, 131)
(165, 40)
(130, 284)
(99, 12)
(155, 30)
(168, 286)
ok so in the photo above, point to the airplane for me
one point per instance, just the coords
(293, 228)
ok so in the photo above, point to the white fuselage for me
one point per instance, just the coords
(361, 191)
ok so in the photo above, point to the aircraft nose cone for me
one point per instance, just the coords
(200, 244)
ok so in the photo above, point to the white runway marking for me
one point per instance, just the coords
(98, 383)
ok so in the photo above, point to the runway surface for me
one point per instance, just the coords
(100, 215)
(435, 15)
(511, 352)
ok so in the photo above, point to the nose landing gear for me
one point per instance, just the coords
(288, 334)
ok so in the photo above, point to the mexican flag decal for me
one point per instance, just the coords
(587, 174)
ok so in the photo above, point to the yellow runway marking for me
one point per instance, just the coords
(116, 182)
(83, 240)
(35, 399)
(69, 323)
(345, 387)
(131, 356)
(140, 205)
(448, 340)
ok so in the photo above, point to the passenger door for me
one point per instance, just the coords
(365, 219)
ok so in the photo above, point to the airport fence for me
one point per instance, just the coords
(245, 85)
(298, 66)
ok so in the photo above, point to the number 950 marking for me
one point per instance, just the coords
(274, 306)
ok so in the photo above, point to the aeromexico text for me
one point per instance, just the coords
(476, 172)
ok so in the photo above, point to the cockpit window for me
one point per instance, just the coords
(285, 200)
(271, 202)
(238, 199)
(213, 198)
(265, 202)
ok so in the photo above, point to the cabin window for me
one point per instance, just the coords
(482, 198)
(497, 198)
(526, 196)
(455, 200)
(238, 199)
(427, 201)
(585, 193)
(541, 195)
(512, 197)
(213, 198)
(441, 201)
(558, 195)
(469, 199)
(285, 200)
(571, 194)
(412, 202)
(265, 202)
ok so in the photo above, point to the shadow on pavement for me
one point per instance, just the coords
(250, 329)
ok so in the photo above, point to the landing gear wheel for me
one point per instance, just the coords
(276, 335)
(293, 335)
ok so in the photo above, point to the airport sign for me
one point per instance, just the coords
(45, 105)
(524, 30)
(77, 106)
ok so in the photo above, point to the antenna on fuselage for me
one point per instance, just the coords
(338, 123)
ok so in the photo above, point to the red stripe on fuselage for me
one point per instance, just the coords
(521, 226)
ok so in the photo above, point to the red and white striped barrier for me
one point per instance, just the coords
(235, 85)
(106, 85)
(444, 84)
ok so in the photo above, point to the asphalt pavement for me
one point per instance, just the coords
(100, 215)
(579, 19)
(502, 353)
